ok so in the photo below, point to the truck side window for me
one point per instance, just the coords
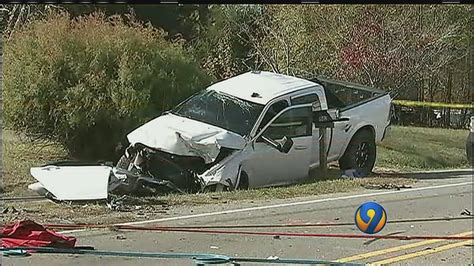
(305, 99)
(293, 123)
(272, 111)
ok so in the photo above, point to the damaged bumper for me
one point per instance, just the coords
(70, 183)
(141, 170)
(188, 173)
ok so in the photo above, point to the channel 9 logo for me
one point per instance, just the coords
(370, 217)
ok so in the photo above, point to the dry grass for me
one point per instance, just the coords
(19, 155)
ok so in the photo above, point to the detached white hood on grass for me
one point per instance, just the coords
(182, 136)
(72, 182)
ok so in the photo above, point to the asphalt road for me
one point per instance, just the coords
(436, 195)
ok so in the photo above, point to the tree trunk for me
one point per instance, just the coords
(449, 88)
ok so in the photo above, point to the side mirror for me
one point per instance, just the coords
(284, 146)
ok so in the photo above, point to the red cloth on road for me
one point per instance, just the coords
(30, 234)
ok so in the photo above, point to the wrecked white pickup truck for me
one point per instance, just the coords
(253, 130)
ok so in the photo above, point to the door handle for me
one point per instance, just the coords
(347, 127)
(301, 147)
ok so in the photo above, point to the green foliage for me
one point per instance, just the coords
(186, 21)
(225, 49)
(86, 82)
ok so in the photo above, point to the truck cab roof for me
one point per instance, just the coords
(261, 86)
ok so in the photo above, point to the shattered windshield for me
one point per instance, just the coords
(221, 110)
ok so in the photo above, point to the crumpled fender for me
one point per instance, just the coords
(226, 170)
(187, 137)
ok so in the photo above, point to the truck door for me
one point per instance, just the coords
(310, 98)
(266, 165)
(337, 136)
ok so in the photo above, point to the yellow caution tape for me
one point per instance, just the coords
(433, 104)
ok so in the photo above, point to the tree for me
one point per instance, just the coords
(222, 49)
(86, 82)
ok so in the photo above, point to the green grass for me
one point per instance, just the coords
(416, 148)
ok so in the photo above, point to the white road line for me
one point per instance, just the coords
(290, 204)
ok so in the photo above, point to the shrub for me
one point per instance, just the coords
(88, 81)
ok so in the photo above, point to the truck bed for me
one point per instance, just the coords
(364, 106)
(346, 95)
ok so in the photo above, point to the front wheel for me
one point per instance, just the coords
(361, 153)
(243, 181)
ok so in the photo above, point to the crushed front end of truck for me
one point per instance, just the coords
(153, 171)
(168, 154)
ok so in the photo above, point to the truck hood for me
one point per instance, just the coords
(182, 136)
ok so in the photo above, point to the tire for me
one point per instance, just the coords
(361, 153)
(243, 181)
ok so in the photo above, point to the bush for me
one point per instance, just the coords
(87, 82)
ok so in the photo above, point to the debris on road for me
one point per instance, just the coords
(16, 253)
(139, 207)
(273, 258)
(353, 173)
(27, 233)
(120, 237)
(9, 210)
(467, 212)
(38, 188)
(117, 204)
(387, 186)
